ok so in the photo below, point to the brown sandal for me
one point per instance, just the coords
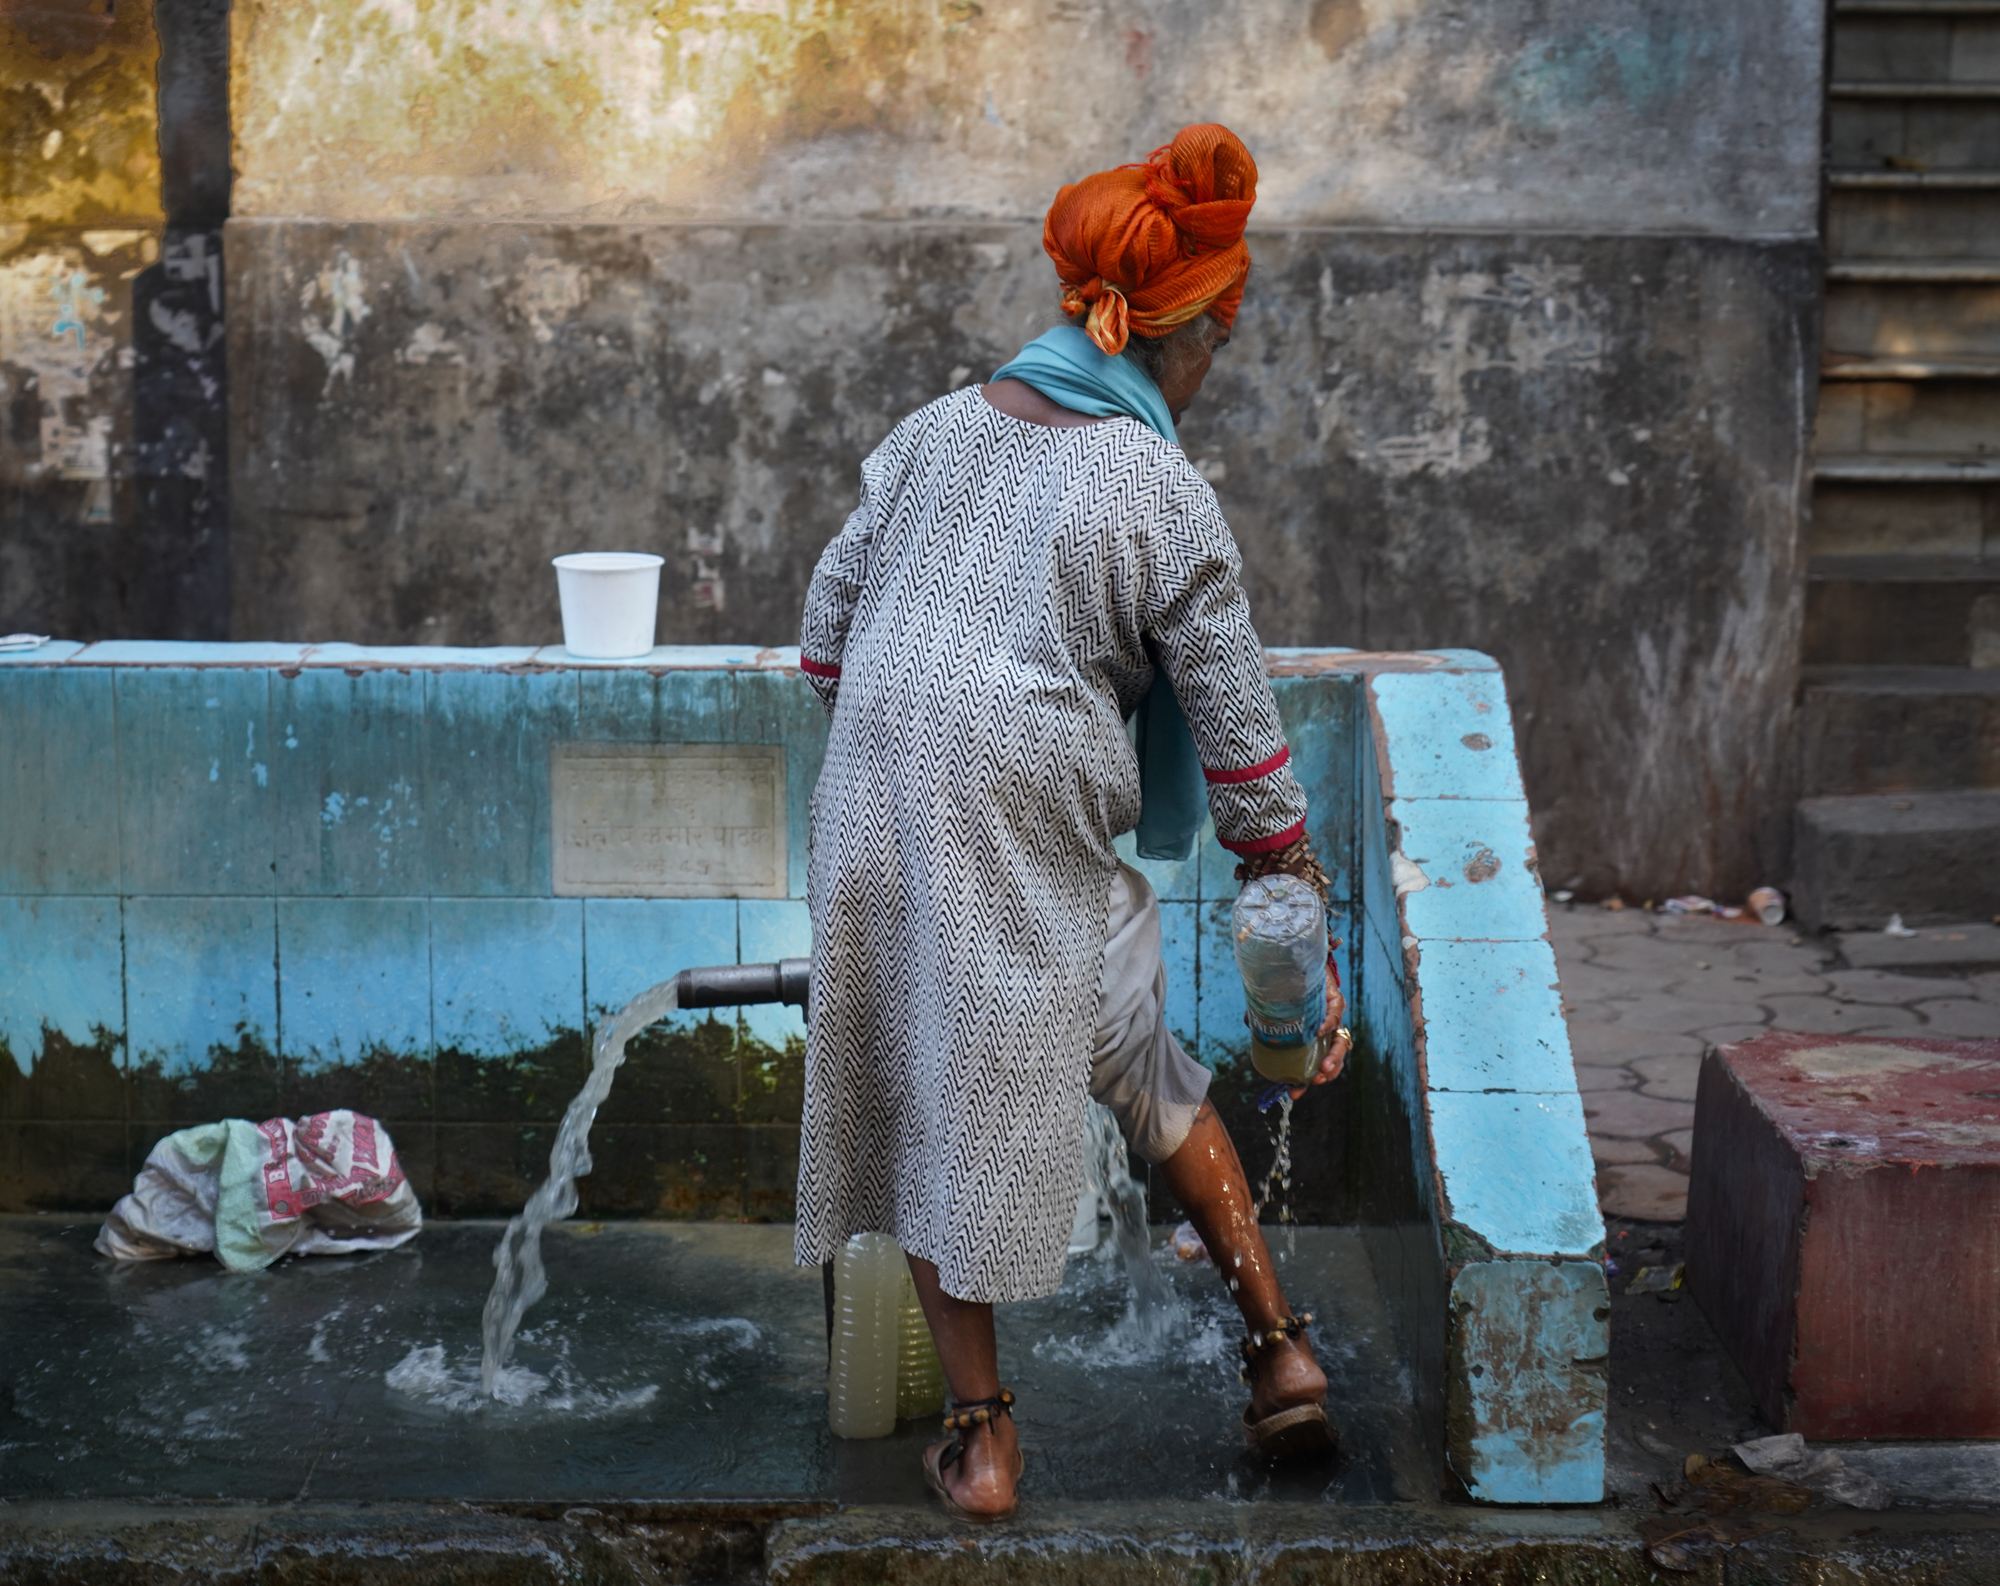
(1296, 1430)
(960, 1419)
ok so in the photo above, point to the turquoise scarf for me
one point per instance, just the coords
(1067, 367)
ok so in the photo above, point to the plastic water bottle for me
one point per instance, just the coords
(1279, 926)
(885, 1364)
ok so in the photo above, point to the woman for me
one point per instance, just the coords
(1025, 555)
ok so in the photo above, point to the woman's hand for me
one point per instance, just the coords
(1336, 1054)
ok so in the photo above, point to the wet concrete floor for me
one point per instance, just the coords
(668, 1360)
(317, 1423)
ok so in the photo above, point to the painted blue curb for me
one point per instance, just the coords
(1484, 1058)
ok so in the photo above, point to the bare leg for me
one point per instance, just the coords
(983, 1480)
(1208, 1179)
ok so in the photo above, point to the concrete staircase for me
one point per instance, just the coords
(1901, 707)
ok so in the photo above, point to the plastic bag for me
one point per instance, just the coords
(252, 1192)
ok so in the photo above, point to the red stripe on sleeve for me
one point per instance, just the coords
(814, 668)
(1252, 772)
(1264, 845)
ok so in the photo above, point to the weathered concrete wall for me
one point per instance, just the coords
(1541, 113)
(1582, 454)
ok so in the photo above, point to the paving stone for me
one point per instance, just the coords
(1962, 1016)
(1646, 994)
(1684, 1015)
(1644, 1191)
(1587, 921)
(1585, 982)
(1782, 957)
(1612, 1153)
(1879, 985)
(1729, 979)
(1627, 1115)
(1822, 1016)
(1650, 957)
(1669, 1078)
(1596, 1040)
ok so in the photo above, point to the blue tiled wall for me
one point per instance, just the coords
(332, 852)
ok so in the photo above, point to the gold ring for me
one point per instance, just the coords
(1342, 1033)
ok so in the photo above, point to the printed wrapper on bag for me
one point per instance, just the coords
(250, 1193)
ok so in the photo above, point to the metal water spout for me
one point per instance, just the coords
(738, 985)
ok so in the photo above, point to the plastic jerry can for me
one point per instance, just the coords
(885, 1365)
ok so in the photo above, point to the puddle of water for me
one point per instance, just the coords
(126, 1386)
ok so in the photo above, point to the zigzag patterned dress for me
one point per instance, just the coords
(980, 630)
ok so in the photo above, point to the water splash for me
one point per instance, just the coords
(425, 1374)
(519, 1278)
(1154, 1314)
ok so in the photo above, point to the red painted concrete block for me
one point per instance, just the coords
(1843, 1230)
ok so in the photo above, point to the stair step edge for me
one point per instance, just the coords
(1917, 181)
(1888, 469)
(1913, 272)
(1916, 8)
(1969, 806)
(1902, 570)
(1910, 369)
(1958, 682)
(1866, 88)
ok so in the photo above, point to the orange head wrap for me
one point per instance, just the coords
(1148, 247)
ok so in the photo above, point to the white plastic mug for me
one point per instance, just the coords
(610, 602)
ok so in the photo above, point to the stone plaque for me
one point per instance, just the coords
(695, 820)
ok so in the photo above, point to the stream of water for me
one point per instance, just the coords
(1279, 1178)
(519, 1279)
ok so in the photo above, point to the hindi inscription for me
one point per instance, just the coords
(696, 820)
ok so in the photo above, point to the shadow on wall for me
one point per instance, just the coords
(114, 454)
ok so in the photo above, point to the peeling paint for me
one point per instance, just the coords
(332, 333)
(429, 341)
(1525, 1407)
(1529, 318)
(61, 336)
(550, 290)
